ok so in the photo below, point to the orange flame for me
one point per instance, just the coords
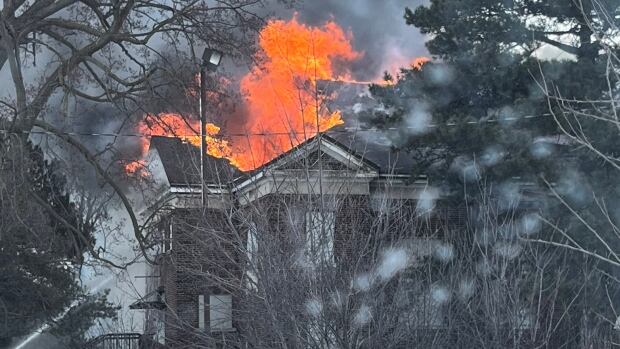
(282, 96)
(175, 125)
(418, 62)
(283, 105)
(137, 167)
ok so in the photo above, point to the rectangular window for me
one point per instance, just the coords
(320, 236)
(201, 312)
(220, 312)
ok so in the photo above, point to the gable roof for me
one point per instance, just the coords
(309, 146)
(181, 160)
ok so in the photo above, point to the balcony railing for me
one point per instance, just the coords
(115, 341)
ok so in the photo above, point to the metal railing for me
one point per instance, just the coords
(115, 341)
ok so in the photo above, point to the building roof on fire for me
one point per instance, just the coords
(181, 161)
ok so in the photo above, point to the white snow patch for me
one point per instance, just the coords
(419, 119)
(394, 260)
(508, 250)
(362, 282)
(507, 116)
(530, 224)
(363, 315)
(440, 74)
(509, 194)
(467, 169)
(444, 252)
(574, 187)
(466, 288)
(440, 294)
(541, 150)
(314, 307)
(492, 156)
(358, 108)
(426, 200)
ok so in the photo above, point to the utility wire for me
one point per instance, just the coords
(225, 134)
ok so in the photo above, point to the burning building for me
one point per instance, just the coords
(315, 203)
(299, 208)
(297, 193)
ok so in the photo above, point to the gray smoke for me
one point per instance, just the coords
(378, 27)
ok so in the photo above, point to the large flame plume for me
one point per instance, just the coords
(284, 107)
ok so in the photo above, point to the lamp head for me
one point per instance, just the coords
(211, 59)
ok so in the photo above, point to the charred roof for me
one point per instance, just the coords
(181, 162)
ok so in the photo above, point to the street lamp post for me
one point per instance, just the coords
(210, 61)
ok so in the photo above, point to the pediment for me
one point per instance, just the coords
(322, 153)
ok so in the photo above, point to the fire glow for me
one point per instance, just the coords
(282, 98)
(175, 125)
(284, 107)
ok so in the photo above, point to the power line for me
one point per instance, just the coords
(225, 134)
